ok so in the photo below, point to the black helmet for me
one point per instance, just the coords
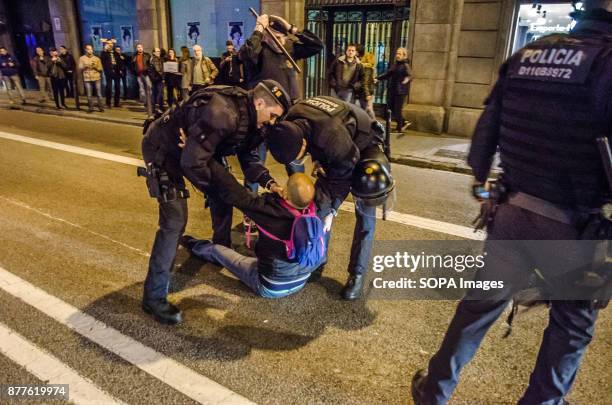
(372, 181)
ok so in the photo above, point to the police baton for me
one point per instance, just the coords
(277, 42)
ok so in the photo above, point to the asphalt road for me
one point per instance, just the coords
(80, 229)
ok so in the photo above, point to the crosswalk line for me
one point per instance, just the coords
(165, 369)
(47, 368)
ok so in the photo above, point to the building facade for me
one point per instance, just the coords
(456, 46)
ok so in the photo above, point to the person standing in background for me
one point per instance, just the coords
(203, 70)
(231, 72)
(91, 67)
(57, 72)
(111, 74)
(123, 68)
(398, 77)
(141, 62)
(70, 67)
(41, 64)
(9, 72)
(185, 67)
(156, 74)
(366, 95)
(346, 75)
(173, 77)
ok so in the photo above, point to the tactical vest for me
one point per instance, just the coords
(549, 123)
(318, 111)
(193, 124)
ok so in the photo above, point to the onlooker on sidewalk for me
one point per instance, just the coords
(203, 70)
(185, 66)
(173, 77)
(112, 75)
(70, 67)
(58, 79)
(366, 95)
(9, 69)
(398, 77)
(231, 72)
(346, 75)
(140, 63)
(41, 64)
(156, 74)
(122, 65)
(91, 67)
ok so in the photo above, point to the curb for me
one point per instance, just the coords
(406, 160)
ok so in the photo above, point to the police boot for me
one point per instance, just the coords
(417, 387)
(352, 288)
(163, 311)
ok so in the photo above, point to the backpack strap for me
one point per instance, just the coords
(307, 211)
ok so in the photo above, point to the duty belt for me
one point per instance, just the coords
(549, 210)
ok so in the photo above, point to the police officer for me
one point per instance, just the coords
(218, 121)
(337, 134)
(551, 102)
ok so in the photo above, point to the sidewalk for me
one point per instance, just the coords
(410, 148)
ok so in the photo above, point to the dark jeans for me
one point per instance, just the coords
(59, 88)
(170, 91)
(125, 87)
(395, 104)
(113, 83)
(221, 214)
(158, 95)
(69, 85)
(569, 331)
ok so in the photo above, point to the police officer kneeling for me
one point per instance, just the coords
(550, 104)
(218, 121)
(346, 146)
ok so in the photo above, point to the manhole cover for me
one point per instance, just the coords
(449, 153)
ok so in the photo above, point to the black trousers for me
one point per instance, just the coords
(59, 88)
(112, 81)
(395, 104)
(69, 85)
(125, 88)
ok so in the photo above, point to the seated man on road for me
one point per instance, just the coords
(272, 274)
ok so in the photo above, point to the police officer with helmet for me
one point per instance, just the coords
(218, 121)
(346, 146)
(545, 115)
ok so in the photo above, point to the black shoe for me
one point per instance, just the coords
(163, 311)
(352, 288)
(189, 242)
(417, 387)
(100, 109)
(65, 106)
(316, 274)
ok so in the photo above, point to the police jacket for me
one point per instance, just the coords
(220, 121)
(551, 102)
(267, 211)
(5, 68)
(263, 61)
(336, 134)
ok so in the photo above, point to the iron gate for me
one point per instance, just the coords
(379, 28)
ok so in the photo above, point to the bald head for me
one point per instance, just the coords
(300, 190)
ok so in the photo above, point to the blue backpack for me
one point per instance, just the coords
(306, 245)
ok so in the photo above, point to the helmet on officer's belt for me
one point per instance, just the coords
(372, 183)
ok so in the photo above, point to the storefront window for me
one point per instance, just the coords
(211, 23)
(538, 19)
(108, 19)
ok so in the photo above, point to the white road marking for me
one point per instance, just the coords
(49, 369)
(398, 217)
(165, 369)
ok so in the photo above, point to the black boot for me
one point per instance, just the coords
(163, 311)
(189, 242)
(416, 387)
(316, 274)
(352, 288)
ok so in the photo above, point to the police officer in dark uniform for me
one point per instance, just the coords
(550, 104)
(338, 135)
(218, 121)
